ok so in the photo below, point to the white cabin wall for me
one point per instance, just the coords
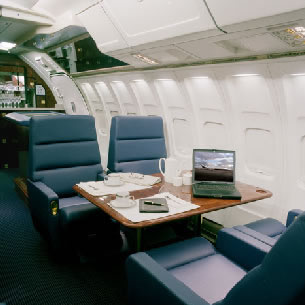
(107, 97)
(258, 137)
(66, 93)
(255, 108)
(290, 86)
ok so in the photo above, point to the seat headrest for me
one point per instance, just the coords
(62, 128)
(137, 127)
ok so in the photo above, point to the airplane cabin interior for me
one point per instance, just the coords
(152, 152)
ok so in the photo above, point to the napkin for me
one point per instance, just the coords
(139, 179)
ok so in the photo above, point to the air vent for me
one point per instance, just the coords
(170, 55)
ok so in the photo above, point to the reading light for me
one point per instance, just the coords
(245, 74)
(300, 29)
(145, 59)
(294, 36)
(6, 45)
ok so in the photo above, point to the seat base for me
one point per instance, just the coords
(196, 263)
(211, 277)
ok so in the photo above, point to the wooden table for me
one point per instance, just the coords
(249, 193)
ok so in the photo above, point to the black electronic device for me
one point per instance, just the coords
(153, 205)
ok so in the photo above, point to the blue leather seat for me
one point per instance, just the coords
(63, 151)
(268, 230)
(193, 272)
(136, 144)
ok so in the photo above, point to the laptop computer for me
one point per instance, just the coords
(214, 174)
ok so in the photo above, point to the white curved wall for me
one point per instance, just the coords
(257, 109)
(62, 86)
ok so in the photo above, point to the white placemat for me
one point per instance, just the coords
(176, 205)
(98, 188)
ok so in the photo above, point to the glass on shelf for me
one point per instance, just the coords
(12, 86)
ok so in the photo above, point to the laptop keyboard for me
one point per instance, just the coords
(215, 187)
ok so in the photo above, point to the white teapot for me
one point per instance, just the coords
(172, 169)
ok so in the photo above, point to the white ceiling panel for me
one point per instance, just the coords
(205, 50)
(148, 20)
(235, 11)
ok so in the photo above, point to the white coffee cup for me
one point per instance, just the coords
(172, 169)
(112, 179)
(123, 200)
(177, 181)
(187, 179)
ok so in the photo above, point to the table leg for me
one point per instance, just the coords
(197, 225)
(139, 239)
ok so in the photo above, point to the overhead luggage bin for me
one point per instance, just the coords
(146, 21)
(236, 11)
(101, 28)
(149, 21)
(169, 32)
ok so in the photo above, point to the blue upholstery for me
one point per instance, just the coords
(188, 267)
(259, 236)
(268, 230)
(63, 151)
(268, 226)
(238, 246)
(136, 144)
(201, 274)
(292, 215)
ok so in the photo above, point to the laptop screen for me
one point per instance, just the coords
(213, 166)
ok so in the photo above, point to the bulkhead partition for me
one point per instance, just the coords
(254, 108)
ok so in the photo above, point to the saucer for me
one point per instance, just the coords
(116, 204)
(114, 185)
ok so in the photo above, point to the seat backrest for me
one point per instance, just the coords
(136, 144)
(280, 279)
(63, 151)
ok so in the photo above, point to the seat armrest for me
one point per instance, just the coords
(40, 196)
(257, 235)
(292, 215)
(149, 283)
(41, 201)
(243, 249)
(44, 190)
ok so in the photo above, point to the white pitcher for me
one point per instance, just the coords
(172, 169)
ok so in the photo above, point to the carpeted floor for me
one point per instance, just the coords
(28, 275)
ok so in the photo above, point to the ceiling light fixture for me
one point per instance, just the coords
(199, 77)
(245, 74)
(298, 74)
(145, 59)
(6, 46)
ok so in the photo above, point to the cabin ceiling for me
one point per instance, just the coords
(19, 23)
(12, 31)
(164, 32)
